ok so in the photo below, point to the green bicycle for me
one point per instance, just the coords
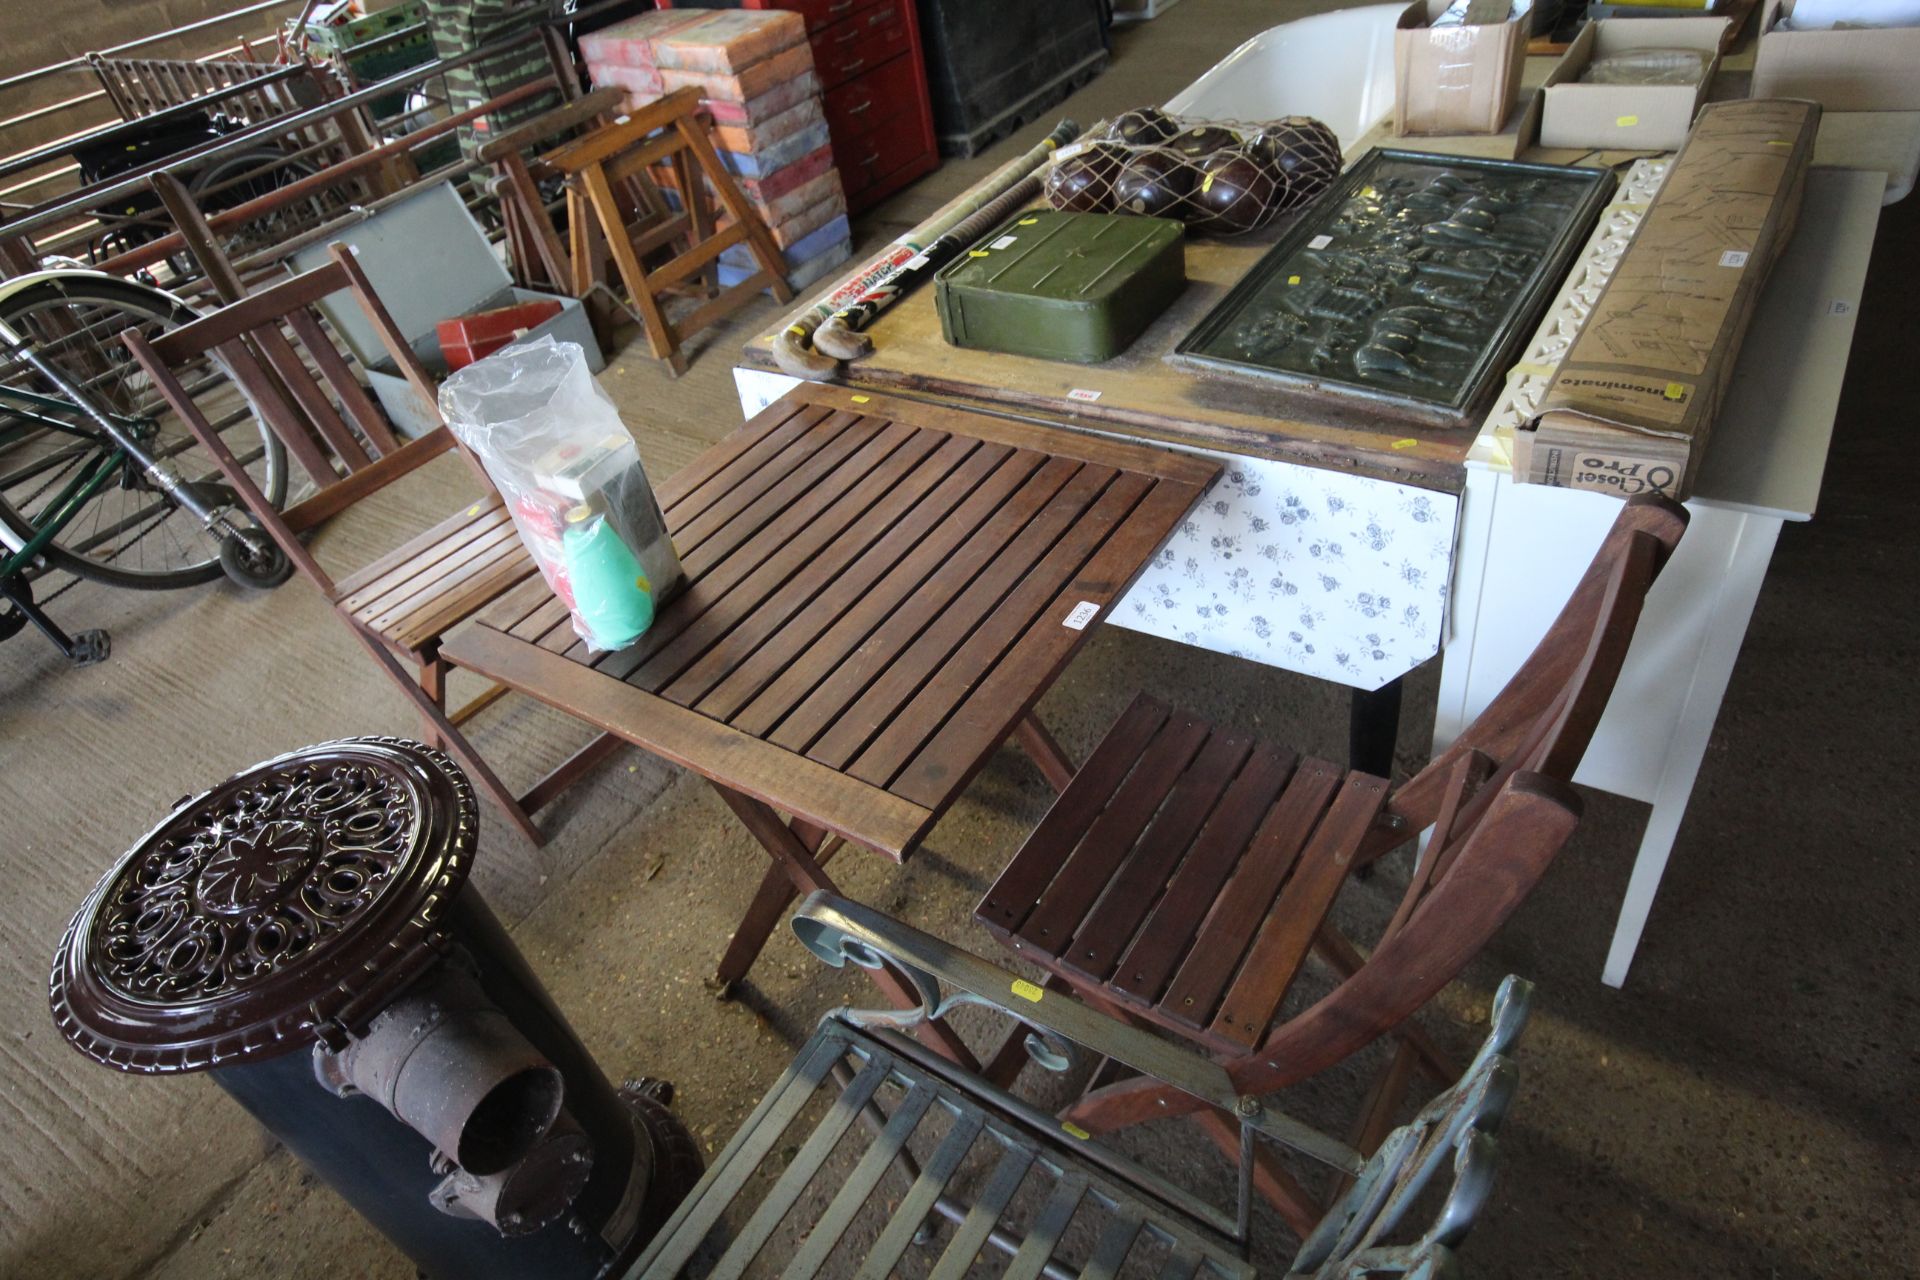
(97, 477)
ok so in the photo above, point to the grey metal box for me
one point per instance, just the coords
(428, 260)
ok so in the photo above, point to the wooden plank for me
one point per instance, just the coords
(1288, 930)
(996, 636)
(988, 715)
(884, 575)
(1121, 455)
(1212, 954)
(936, 636)
(740, 513)
(720, 563)
(396, 565)
(413, 585)
(506, 613)
(237, 319)
(359, 405)
(1012, 897)
(715, 472)
(1144, 396)
(825, 539)
(613, 138)
(1084, 875)
(460, 597)
(263, 394)
(805, 573)
(800, 705)
(1103, 935)
(846, 806)
(1169, 929)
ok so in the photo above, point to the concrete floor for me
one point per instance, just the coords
(1744, 1108)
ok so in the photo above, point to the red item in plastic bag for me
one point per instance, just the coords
(465, 339)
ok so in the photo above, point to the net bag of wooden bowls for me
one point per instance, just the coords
(1219, 177)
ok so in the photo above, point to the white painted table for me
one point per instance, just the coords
(1522, 547)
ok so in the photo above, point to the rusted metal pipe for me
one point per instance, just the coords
(451, 1066)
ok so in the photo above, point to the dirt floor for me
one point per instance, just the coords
(1745, 1107)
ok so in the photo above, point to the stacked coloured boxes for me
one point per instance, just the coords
(754, 72)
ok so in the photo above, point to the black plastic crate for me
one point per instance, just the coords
(995, 65)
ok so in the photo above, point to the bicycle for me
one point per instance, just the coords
(96, 477)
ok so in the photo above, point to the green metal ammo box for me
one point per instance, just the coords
(1063, 286)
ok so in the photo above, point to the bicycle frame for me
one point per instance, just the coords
(127, 449)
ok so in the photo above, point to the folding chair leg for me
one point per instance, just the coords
(450, 738)
(433, 683)
(1034, 739)
(1338, 950)
(1375, 1121)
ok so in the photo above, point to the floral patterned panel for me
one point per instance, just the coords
(1327, 574)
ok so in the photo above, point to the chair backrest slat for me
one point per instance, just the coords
(328, 422)
(1545, 716)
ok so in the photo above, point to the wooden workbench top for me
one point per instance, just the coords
(1142, 395)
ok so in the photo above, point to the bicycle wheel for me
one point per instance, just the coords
(129, 533)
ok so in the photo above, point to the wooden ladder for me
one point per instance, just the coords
(670, 132)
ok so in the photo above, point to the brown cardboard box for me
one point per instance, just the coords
(1840, 70)
(1630, 408)
(1455, 79)
(1623, 116)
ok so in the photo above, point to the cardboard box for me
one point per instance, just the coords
(428, 259)
(1626, 117)
(1840, 70)
(1630, 408)
(1461, 79)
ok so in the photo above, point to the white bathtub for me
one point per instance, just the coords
(1335, 67)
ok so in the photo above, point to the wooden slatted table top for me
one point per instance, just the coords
(878, 590)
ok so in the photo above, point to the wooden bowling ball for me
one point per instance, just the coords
(1083, 183)
(1234, 195)
(1143, 125)
(1204, 140)
(1153, 183)
(1302, 154)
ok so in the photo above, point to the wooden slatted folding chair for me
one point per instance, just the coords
(400, 605)
(1185, 874)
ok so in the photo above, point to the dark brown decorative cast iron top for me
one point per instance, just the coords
(291, 900)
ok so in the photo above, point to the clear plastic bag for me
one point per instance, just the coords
(556, 449)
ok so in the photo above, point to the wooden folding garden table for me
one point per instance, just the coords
(879, 592)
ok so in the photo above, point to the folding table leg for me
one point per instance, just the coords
(1040, 745)
(770, 902)
(787, 851)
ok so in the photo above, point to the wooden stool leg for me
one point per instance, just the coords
(791, 855)
(1054, 763)
(633, 273)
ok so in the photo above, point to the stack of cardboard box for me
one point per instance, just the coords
(754, 71)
